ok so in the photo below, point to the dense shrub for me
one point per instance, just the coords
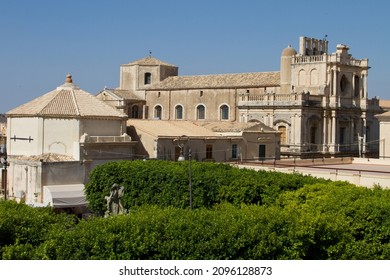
(294, 231)
(365, 214)
(224, 232)
(239, 214)
(167, 184)
(23, 228)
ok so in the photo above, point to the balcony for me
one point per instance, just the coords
(124, 138)
(280, 100)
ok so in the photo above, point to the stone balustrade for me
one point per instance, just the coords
(105, 139)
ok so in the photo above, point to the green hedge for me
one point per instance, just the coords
(246, 215)
(23, 228)
(166, 183)
(319, 221)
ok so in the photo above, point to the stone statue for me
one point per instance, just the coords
(114, 204)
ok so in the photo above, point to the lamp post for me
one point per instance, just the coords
(5, 165)
(190, 172)
(182, 158)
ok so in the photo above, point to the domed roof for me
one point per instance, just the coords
(289, 51)
(68, 101)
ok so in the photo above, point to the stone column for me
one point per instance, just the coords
(351, 127)
(334, 81)
(293, 129)
(333, 147)
(364, 129)
(325, 133)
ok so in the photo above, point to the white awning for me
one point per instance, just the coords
(61, 196)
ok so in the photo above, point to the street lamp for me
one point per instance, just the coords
(190, 172)
(5, 165)
(182, 158)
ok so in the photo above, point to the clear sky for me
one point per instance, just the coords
(43, 40)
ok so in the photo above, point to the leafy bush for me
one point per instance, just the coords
(239, 214)
(150, 232)
(167, 184)
(22, 228)
(363, 215)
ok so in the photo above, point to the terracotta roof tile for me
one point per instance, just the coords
(67, 100)
(220, 81)
(236, 126)
(149, 61)
(122, 93)
(161, 128)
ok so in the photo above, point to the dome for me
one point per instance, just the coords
(289, 51)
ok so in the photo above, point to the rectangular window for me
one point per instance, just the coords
(234, 151)
(313, 133)
(209, 151)
(261, 151)
(342, 135)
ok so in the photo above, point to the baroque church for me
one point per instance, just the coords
(318, 101)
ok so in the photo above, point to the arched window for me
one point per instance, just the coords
(147, 78)
(179, 112)
(134, 112)
(224, 112)
(158, 112)
(200, 112)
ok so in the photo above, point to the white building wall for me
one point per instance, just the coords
(59, 135)
(24, 128)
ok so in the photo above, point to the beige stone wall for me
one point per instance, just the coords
(221, 147)
(211, 99)
(310, 77)
(384, 144)
(102, 127)
(132, 77)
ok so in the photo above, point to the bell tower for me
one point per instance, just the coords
(140, 75)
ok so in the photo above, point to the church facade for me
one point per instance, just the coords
(318, 101)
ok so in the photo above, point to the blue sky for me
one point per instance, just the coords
(43, 40)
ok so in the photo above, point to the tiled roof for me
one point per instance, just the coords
(220, 81)
(236, 126)
(67, 100)
(149, 61)
(384, 116)
(122, 93)
(161, 128)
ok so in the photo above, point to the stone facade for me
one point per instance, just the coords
(317, 101)
(209, 141)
